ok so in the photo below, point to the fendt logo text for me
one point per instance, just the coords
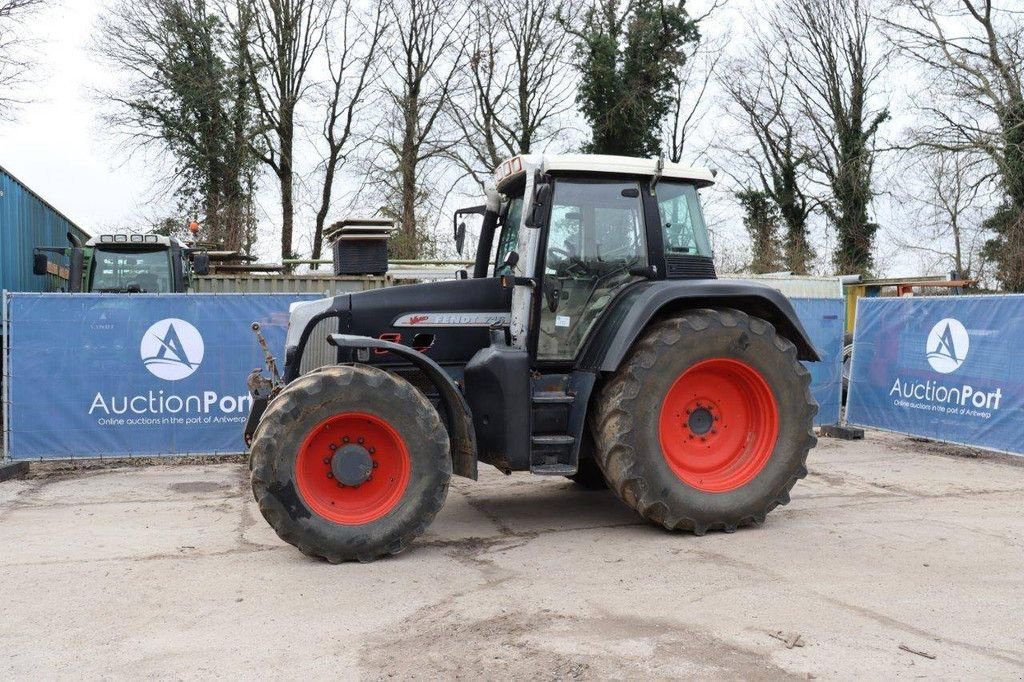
(947, 345)
(172, 349)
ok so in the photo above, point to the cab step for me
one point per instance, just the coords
(553, 455)
(552, 469)
(553, 398)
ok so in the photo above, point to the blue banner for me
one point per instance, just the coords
(941, 367)
(100, 375)
(823, 318)
(126, 375)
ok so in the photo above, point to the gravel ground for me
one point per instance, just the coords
(895, 559)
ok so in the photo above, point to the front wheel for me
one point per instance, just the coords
(708, 422)
(350, 463)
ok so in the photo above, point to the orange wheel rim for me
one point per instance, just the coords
(718, 425)
(352, 468)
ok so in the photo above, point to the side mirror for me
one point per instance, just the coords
(39, 264)
(460, 237)
(201, 264)
(541, 197)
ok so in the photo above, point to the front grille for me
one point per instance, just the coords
(317, 352)
(689, 267)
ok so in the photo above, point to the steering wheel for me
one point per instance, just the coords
(565, 264)
(555, 253)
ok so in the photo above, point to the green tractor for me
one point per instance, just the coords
(592, 341)
(123, 263)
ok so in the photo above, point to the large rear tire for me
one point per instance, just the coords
(708, 422)
(350, 463)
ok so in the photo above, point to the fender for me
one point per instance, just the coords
(635, 307)
(461, 434)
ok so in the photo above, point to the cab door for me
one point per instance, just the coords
(595, 237)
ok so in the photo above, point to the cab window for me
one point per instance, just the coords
(595, 237)
(682, 220)
(509, 236)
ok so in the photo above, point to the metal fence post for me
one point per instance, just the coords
(8, 468)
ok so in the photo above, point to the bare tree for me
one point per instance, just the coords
(772, 147)
(521, 82)
(423, 64)
(973, 51)
(949, 233)
(14, 63)
(286, 36)
(693, 78)
(836, 62)
(352, 68)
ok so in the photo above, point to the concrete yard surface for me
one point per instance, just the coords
(894, 559)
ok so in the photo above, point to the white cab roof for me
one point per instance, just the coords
(598, 163)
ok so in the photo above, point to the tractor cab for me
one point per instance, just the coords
(592, 341)
(592, 225)
(124, 263)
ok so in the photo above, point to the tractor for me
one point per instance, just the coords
(124, 264)
(591, 341)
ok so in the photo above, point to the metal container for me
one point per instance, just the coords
(28, 221)
(326, 285)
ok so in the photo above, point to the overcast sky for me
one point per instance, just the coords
(59, 147)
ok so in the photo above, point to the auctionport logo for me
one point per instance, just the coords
(172, 349)
(946, 348)
(947, 345)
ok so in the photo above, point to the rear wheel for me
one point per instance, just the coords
(350, 463)
(708, 422)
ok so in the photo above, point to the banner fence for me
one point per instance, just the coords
(942, 367)
(99, 375)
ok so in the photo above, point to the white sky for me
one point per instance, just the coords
(58, 146)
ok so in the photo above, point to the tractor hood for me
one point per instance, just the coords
(446, 320)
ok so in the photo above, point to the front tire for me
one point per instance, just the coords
(350, 463)
(708, 422)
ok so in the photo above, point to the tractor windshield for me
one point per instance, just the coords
(682, 220)
(139, 270)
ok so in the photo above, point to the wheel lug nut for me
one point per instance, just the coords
(371, 451)
(376, 464)
(330, 475)
(345, 439)
(361, 440)
(327, 460)
(333, 447)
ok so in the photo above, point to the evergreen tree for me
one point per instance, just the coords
(761, 218)
(627, 60)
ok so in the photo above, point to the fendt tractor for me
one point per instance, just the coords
(123, 263)
(592, 341)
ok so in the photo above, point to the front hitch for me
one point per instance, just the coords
(261, 388)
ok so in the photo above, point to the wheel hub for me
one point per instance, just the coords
(700, 421)
(352, 464)
(719, 424)
(352, 468)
